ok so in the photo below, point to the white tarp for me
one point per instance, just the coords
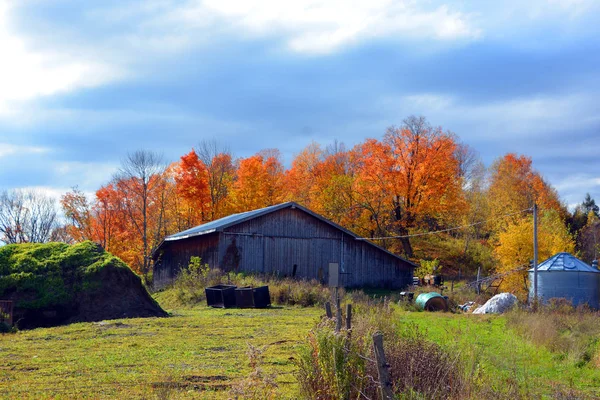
(498, 304)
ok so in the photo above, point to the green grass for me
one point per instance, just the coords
(507, 362)
(200, 352)
(196, 353)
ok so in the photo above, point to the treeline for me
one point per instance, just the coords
(416, 179)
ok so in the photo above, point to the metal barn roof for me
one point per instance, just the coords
(222, 223)
(565, 262)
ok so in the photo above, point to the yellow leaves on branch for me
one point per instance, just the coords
(515, 247)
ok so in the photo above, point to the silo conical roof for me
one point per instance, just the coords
(565, 262)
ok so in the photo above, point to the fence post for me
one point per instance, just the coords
(385, 384)
(338, 319)
(348, 316)
(328, 310)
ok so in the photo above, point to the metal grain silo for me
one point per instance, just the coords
(565, 276)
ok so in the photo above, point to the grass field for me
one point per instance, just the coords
(505, 361)
(197, 353)
(201, 353)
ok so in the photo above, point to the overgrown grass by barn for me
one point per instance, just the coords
(188, 288)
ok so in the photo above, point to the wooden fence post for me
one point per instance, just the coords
(328, 310)
(385, 384)
(348, 316)
(338, 319)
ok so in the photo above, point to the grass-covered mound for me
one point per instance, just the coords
(57, 283)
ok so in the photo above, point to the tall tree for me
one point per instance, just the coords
(191, 176)
(302, 176)
(139, 175)
(78, 211)
(515, 247)
(27, 216)
(259, 181)
(416, 171)
(220, 175)
(514, 187)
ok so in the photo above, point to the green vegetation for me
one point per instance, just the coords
(443, 355)
(52, 274)
(56, 283)
(202, 352)
(188, 288)
(198, 352)
(291, 352)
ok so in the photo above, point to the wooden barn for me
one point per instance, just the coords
(286, 240)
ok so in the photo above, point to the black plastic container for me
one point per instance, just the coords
(222, 296)
(248, 297)
(244, 297)
(261, 296)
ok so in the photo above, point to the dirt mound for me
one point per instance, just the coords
(55, 283)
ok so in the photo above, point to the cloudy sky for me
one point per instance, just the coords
(83, 83)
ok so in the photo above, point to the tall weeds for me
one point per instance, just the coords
(341, 365)
(572, 332)
(188, 288)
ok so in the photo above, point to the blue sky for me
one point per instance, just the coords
(83, 83)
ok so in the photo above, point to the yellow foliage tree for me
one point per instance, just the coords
(515, 247)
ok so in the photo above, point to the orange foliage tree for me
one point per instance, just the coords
(259, 181)
(514, 187)
(410, 179)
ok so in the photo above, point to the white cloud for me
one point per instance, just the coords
(26, 74)
(316, 26)
(509, 118)
(7, 149)
(87, 175)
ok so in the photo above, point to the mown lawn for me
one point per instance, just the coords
(201, 353)
(197, 353)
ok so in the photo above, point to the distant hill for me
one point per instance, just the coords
(56, 283)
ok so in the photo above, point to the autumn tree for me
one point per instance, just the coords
(412, 176)
(139, 176)
(77, 210)
(220, 172)
(191, 177)
(302, 176)
(515, 247)
(259, 181)
(514, 187)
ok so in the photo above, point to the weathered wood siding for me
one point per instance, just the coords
(176, 255)
(276, 242)
(288, 242)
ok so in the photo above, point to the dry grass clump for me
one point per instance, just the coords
(340, 365)
(562, 328)
(258, 384)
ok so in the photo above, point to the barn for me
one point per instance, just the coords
(285, 240)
